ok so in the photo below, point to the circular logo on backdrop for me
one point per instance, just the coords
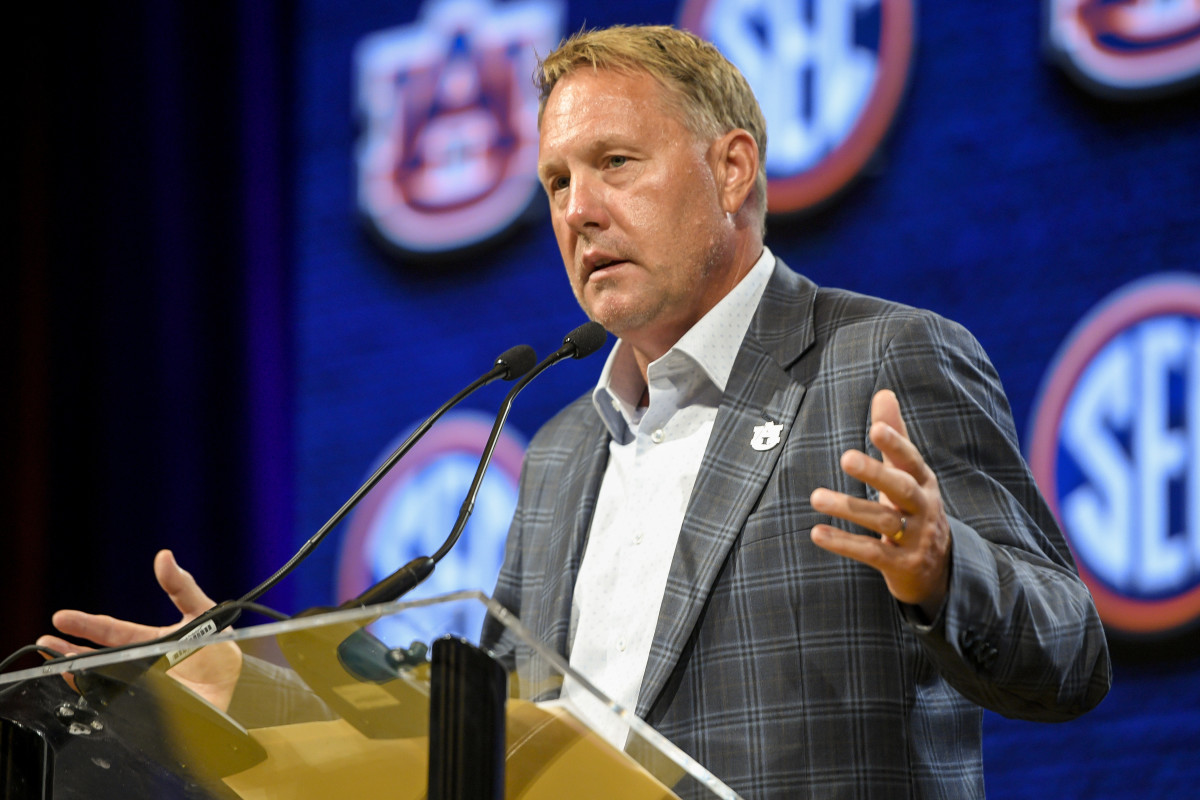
(1126, 47)
(828, 75)
(413, 509)
(1115, 448)
(447, 157)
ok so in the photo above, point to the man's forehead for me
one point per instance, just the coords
(590, 109)
(586, 80)
(608, 98)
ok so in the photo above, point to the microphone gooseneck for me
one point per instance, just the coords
(362, 654)
(510, 364)
(579, 343)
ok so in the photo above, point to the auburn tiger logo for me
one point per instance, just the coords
(447, 155)
(1126, 47)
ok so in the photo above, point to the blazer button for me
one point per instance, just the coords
(976, 650)
(967, 638)
(989, 657)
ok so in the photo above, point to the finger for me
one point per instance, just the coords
(865, 549)
(890, 434)
(68, 649)
(62, 645)
(179, 585)
(101, 629)
(885, 407)
(897, 489)
(869, 514)
(899, 452)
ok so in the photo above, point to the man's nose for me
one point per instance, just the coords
(585, 205)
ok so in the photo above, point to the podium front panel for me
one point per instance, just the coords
(326, 705)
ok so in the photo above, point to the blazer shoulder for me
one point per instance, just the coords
(796, 315)
(846, 306)
(838, 311)
(576, 419)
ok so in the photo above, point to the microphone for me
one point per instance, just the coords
(579, 343)
(511, 364)
(363, 655)
(583, 341)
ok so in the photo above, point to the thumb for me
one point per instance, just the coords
(180, 586)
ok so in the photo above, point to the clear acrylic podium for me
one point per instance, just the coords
(332, 708)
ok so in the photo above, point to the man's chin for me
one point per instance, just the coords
(616, 320)
(623, 312)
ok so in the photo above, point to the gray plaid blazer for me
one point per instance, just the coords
(789, 671)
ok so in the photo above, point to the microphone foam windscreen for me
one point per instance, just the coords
(587, 339)
(519, 360)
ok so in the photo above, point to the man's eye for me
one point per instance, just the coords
(617, 161)
(561, 182)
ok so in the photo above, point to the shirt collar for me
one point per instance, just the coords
(712, 344)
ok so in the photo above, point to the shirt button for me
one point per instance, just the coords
(621, 645)
(657, 436)
(637, 538)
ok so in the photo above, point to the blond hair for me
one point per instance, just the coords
(711, 95)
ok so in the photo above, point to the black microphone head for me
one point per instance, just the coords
(586, 339)
(517, 360)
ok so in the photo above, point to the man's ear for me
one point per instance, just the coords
(735, 166)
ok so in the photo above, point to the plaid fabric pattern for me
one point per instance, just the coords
(789, 671)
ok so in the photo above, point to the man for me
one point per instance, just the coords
(791, 527)
(692, 533)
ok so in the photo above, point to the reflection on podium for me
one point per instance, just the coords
(346, 715)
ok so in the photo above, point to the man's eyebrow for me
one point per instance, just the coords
(544, 168)
(612, 140)
(594, 147)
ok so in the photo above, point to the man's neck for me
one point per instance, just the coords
(650, 345)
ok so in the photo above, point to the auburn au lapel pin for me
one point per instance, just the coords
(766, 435)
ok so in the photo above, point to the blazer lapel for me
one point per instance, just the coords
(733, 473)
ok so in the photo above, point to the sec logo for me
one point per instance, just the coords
(1126, 47)
(829, 75)
(447, 156)
(1116, 450)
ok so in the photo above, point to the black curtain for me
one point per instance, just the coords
(147, 366)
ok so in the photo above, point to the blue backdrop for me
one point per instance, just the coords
(1004, 197)
(211, 351)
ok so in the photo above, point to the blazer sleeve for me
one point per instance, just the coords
(1018, 633)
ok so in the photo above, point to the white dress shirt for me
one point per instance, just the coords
(654, 458)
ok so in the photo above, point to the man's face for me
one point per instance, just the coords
(635, 206)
